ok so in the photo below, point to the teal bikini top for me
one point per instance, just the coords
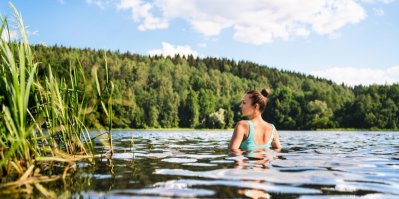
(250, 143)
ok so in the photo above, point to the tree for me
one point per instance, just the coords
(216, 119)
(184, 91)
(193, 110)
(207, 102)
(319, 115)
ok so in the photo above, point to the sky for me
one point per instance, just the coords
(347, 41)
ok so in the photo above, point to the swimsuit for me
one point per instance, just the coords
(250, 143)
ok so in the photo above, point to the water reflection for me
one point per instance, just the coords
(253, 159)
(198, 164)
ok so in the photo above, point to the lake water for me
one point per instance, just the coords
(196, 164)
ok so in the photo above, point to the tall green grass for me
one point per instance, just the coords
(17, 71)
(105, 99)
(42, 120)
(62, 109)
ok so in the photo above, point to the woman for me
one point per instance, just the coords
(254, 133)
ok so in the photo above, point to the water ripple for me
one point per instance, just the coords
(241, 184)
(197, 164)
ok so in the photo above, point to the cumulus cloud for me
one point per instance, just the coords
(32, 33)
(376, 1)
(378, 12)
(356, 76)
(169, 49)
(9, 35)
(253, 21)
(13, 33)
(100, 3)
(141, 12)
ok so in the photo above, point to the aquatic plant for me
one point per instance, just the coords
(105, 99)
(62, 108)
(42, 120)
(19, 142)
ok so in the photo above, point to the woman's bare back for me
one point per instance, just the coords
(262, 133)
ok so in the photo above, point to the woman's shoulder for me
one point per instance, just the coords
(242, 124)
(268, 125)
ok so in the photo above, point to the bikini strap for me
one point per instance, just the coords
(251, 128)
(272, 135)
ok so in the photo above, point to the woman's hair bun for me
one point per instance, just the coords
(265, 92)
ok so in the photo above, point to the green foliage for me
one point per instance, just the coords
(170, 92)
(61, 109)
(190, 109)
(286, 109)
(105, 96)
(375, 107)
(319, 115)
(216, 119)
(43, 114)
(17, 72)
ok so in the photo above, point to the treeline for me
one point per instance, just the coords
(190, 92)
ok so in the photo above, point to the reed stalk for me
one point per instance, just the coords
(105, 99)
(41, 120)
(62, 103)
(17, 71)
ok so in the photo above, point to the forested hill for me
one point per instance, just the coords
(189, 92)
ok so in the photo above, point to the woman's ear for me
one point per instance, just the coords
(257, 106)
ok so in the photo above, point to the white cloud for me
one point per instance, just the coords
(32, 33)
(356, 76)
(100, 3)
(141, 12)
(169, 49)
(253, 21)
(13, 32)
(394, 71)
(12, 35)
(202, 45)
(377, 1)
(378, 12)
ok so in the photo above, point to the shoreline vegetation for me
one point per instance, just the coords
(204, 93)
(231, 129)
(191, 92)
(43, 130)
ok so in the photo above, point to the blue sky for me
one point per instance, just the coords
(350, 41)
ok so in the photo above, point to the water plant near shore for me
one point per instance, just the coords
(19, 142)
(105, 99)
(42, 120)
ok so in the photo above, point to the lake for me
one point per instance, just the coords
(195, 163)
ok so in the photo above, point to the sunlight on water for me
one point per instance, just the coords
(198, 164)
(169, 192)
(179, 160)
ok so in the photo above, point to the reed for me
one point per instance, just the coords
(105, 99)
(18, 142)
(63, 108)
(42, 121)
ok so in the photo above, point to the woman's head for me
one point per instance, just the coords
(254, 100)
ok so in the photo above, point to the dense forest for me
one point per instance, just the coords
(191, 92)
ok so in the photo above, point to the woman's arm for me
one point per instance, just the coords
(238, 135)
(276, 142)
